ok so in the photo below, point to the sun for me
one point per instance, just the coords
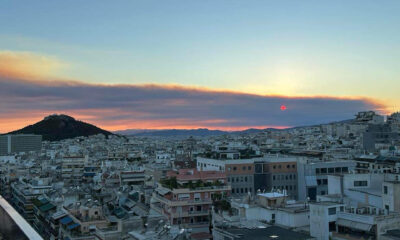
(283, 107)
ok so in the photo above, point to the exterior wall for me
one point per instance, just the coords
(277, 175)
(320, 219)
(207, 164)
(335, 185)
(282, 217)
(386, 223)
(3, 145)
(320, 171)
(391, 197)
(20, 143)
(241, 177)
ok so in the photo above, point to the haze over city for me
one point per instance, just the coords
(199, 120)
(226, 65)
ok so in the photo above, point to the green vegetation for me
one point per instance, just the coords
(172, 183)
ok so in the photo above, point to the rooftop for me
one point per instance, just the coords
(272, 232)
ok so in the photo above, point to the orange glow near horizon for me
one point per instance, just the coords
(19, 121)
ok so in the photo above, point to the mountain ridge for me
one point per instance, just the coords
(58, 127)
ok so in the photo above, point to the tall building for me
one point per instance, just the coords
(186, 196)
(17, 143)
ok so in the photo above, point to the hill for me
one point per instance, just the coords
(59, 127)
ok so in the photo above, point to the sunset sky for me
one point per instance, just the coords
(188, 64)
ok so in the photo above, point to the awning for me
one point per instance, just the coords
(311, 181)
(65, 220)
(47, 207)
(89, 174)
(162, 191)
(354, 225)
(72, 226)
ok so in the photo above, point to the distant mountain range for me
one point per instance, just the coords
(59, 127)
(200, 132)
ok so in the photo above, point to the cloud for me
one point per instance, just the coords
(28, 65)
(117, 107)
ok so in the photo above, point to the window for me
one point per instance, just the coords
(325, 181)
(345, 169)
(249, 168)
(338, 170)
(274, 167)
(341, 208)
(318, 171)
(234, 168)
(360, 183)
(233, 179)
(245, 179)
(244, 168)
(385, 189)
(229, 169)
(279, 166)
(331, 170)
(286, 177)
(293, 166)
(273, 177)
(229, 179)
(288, 166)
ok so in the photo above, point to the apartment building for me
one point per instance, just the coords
(313, 175)
(24, 192)
(277, 172)
(256, 174)
(43, 211)
(16, 143)
(186, 196)
(73, 168)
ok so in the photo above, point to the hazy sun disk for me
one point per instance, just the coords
(283, 107)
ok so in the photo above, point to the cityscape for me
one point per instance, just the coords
(199, 120)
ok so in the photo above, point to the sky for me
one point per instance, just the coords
(187, 64)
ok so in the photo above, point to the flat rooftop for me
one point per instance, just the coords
(272, 232)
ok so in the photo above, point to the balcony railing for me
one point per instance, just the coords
(14, 226)
(181, 202)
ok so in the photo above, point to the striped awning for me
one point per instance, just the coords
(354, 225)
(65, 220)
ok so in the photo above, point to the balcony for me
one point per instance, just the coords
(190, 214)
(13, 225)
(176, 203)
